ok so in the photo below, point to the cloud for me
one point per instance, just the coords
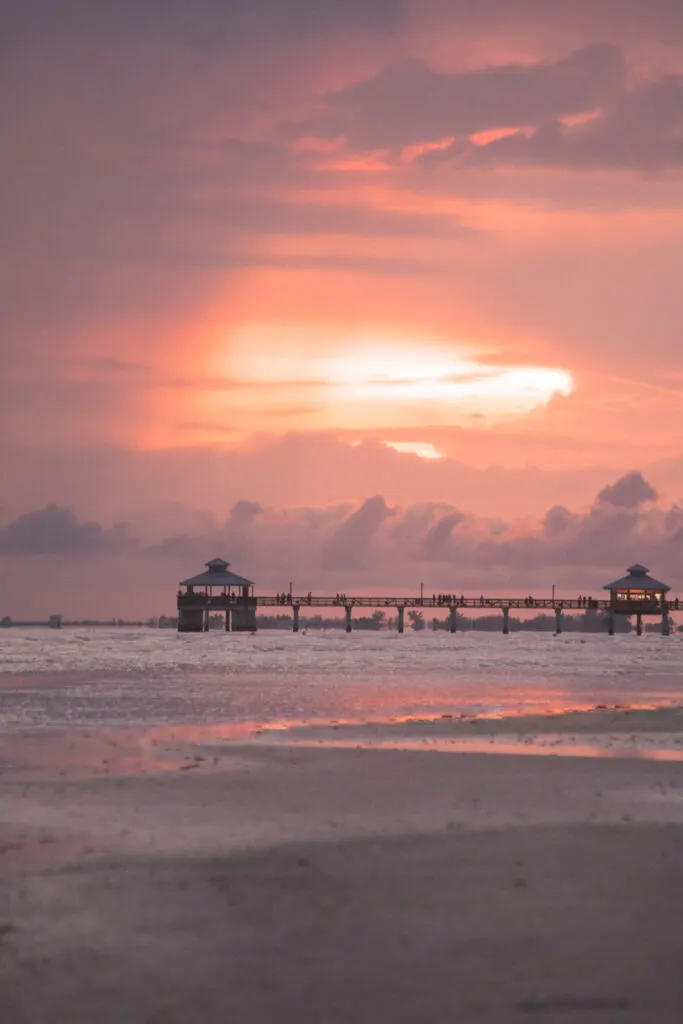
(439, 535)
(638, 22)
(641, 130)
(206, 25)
(383, 545)
(55, 530)
(630, 491)
(581, 112)
(243, 513)
(349, 545)
(367, 546)
(311, 218)
(409, 103)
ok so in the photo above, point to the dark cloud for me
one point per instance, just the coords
(55, 530)
(349, 545)
(642, 131)
(379, 543)
(381, 546)
(635, 21)
(243, 513)
(207, 25)
(630, 491)
(312, 218)
(438, 538)
(410, 103)
(633, 128)
(558, 519)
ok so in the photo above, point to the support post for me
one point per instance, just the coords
(558, 621)
(639, 624)
(227, 620)
(348, 618)
(295, 618)
(206, 620)
(190, 620)
(610, 624)
(401, 618)
(506, 621)
(453, 619)
(666, 628)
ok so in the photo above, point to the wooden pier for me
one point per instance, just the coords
(637, 594)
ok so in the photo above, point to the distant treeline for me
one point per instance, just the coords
(590, 621)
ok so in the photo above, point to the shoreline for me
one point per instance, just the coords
(103, 751)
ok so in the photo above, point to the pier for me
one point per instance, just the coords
(636, 594)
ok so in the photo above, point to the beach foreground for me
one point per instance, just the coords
(260, 883)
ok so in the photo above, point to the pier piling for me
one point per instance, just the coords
(558, 621)
(295, 618)
(401, 618)
(348, 618)
(506, 621)
(453, 619)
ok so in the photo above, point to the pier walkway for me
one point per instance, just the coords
(635, 594)
(238, 605)
(444, 602)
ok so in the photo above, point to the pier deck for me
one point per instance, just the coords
(432, 602)
(344, 601)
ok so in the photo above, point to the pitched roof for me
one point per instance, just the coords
(637, 579)
(216, 575)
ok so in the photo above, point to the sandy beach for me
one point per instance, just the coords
(264, 882)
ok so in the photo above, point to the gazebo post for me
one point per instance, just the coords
(639, 624)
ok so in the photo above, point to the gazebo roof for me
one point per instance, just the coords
(637, 579)
(217, 575)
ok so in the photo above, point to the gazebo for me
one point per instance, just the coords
(216, 589)
(639, 594)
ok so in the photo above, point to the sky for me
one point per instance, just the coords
(355, 293)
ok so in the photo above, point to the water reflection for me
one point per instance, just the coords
(140, 750)
(550, 746)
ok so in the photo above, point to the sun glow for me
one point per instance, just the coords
(422, 449)
(421, 376)
(388, 381)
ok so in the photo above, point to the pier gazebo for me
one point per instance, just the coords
(216, 590)
(639, 594)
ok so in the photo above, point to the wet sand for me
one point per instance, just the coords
(260, 883)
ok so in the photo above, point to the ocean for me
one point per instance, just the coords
(82, 678)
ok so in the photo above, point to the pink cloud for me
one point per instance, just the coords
(359, 548)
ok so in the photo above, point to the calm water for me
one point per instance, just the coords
(79, 678)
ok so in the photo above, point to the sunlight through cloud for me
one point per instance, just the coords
(386, 381)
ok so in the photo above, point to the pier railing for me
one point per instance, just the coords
(444, 602)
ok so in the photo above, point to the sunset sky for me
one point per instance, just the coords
(358, 293)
